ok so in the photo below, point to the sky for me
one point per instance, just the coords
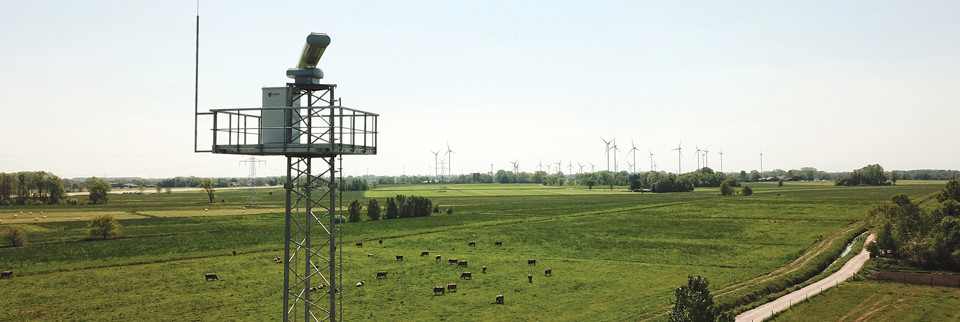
(106, 88)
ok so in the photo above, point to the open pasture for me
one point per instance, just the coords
(878, 301)
(615, 255)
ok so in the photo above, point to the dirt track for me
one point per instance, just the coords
(848, 270)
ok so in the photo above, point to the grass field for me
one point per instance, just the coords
(615, 255)
(878, 301)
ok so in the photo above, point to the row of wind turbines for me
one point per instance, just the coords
(442, 165)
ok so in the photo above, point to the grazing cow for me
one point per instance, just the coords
(312, 289)
(500, 299)
(439, 290)
(424, 253)
(452, 287)
(212, 276)
(234, 253)
(437, 257)
(531, 262)
(321, 286)
(472, 244)
(6, 274)
(548, 272)
(498, 243)
(359, 244)
(399, 257)
(277, 260)
(382, 274)
(466, 275)
(530, 278)
(483, 269)
(369, 255)
(462, 263)
(360, 283)
(452, 260)
(381, 242)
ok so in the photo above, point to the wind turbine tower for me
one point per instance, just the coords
(679, 153)
(606, 151)
(435, 154)
(615, 150)
(721, 160)
(449, 152)
(633, 150)
(761, 161)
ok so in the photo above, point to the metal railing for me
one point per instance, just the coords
(271, 130)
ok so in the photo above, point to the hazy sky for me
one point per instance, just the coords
(105, 88)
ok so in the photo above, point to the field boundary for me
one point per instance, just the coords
(932, 279)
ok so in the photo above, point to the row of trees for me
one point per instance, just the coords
(399, 207)
(31, 188)
(928, 238)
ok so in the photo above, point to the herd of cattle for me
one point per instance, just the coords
(452, 287)
(437, 290)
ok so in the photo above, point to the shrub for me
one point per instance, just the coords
(104, 226)
(725, 189)
(780, 183)
(747, 191)
(14, 236)
(436, 209)
(5, 202)
(450, 210)
(373, 209)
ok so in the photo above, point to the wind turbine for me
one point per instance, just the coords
(706, 153)
(679, 153)
(449, 159)
(698, 154)
(435, 162)
(606, 151)
(721, 160)
(761, 161)
(615, 150)
(569, 167)
(581, 167)
(592, 167)
(540, 166)
(559, 164)
(633, 167)
(651, 158)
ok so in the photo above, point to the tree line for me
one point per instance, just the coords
(401, 206)
(31, 188)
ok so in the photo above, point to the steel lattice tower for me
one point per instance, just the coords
(313, 138)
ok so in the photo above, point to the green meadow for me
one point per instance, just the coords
(615, 255)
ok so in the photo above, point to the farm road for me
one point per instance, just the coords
(848, 270)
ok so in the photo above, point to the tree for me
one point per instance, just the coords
(747, 191)
(780, 183)
(98, 188)
(7, 185)
(14, 236)
(207, 185)
(104, 226)
(392, 209)
(354, 210)
(951, 192)
(725, 189)
(894, 176)
(373, 209)
(694, 303)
